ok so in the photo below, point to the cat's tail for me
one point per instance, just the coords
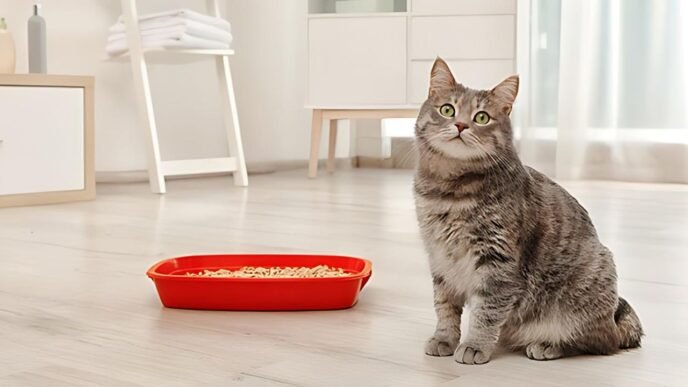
(630, 330)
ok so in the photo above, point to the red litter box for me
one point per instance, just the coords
(177, 290)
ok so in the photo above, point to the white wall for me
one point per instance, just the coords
(269, 71)
(271, 77)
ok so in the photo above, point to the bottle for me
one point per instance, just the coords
(7, 51)
(37, 47)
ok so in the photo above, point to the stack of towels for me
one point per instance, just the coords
(177, 29)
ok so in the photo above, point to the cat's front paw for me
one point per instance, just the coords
(441, 345)
(472, 353)
(543, 351)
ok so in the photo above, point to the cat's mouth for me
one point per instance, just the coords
(458, 138)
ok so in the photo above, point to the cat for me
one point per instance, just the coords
(506, 240)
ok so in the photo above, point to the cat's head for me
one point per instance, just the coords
(460, 123)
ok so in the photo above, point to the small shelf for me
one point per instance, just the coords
(364, 107)
(347, 7)
(198, 166)
(174, 56)
(355, 15)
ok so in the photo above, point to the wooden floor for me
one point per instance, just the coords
(77, 309)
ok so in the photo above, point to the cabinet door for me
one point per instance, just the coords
(357, 61)
(463, 37)
(41, 139)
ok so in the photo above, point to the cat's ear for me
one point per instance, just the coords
(506, 93)
(441, 77)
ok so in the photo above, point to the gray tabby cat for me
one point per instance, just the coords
(506, 240)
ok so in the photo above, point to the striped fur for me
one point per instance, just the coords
(508, 241)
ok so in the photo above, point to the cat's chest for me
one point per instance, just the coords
(446, 229)
(450, 252)
(458, 271)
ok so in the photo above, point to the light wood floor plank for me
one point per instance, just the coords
(77, 309)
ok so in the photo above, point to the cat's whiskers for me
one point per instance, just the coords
(479, 144)
(414, 149)
(502, 163)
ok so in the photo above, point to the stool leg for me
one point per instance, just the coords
(316, 131)
(143, 95)
(332, 148)
(231, 117)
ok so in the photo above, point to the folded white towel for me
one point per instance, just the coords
(183, 41)
(177, 29)
(173, 30)
(167, 22)
(155, 19)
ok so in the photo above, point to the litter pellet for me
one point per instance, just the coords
(320, 271)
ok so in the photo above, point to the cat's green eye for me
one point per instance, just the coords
(447, 110)
(481, 118)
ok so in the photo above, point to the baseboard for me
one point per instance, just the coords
(257, 168)
(372, 162)
(121, 176)
(403, 157)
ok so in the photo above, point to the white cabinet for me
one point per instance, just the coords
(372, 58)
(381, 60)
(45, 139)
(357, 60)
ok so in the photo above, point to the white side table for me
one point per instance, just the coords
(46, 139)
(345, 113)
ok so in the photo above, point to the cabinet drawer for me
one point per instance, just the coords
(357, 61)
(464, 7)
(463, 37)
(476, 74)
(41, 139)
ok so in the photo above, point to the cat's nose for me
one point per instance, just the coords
(461, 126)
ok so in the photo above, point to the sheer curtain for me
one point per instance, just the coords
(608, 90)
